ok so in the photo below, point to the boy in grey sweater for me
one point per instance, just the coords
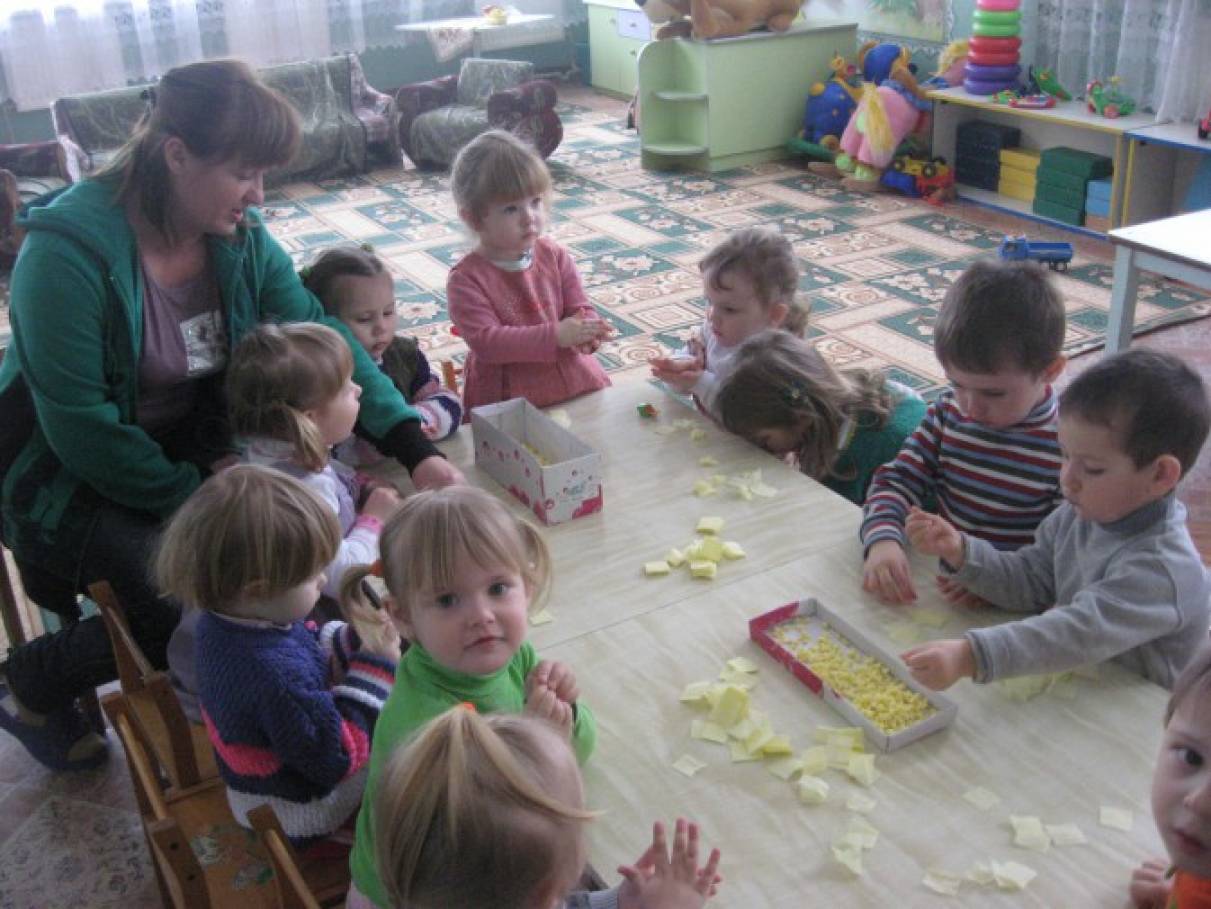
(1113, 573)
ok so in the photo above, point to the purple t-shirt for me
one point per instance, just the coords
(184, 340)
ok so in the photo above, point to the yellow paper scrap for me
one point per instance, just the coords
(688, 765)
(665, 430)
(764, 490)
(776, 745)
(905, 633)
(703, 729)
(683, 423)
(704, 488)
(1028, 833)
(838, 756)
(709, 524)
(542, 617)
(708, 461)
(656, 569)
(733, 551)
(849, 855)
(744, 679)
(697, 435)
(862, 769)
(1012, 876)
(861, 832)
(756, 740)
(812, 789)
(931, 616)
(742, 664)
(742, 730)
(1066, 834)
(741, 754)
(1116, 818)
(710, 549)
(560, 417)
(696, 693)
(815, 760)
(981, 873)
(852, 736)
(860, 802)
(982, 798)
(731, 707)
(943, 882)
(703, 569)
(785, 768)
(675, 557)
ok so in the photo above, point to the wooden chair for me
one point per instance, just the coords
(451, 373)
(182, 748)
(233, 871)
(288, 881)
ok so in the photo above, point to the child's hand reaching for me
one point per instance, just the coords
(1150, 885)
(934, 535)
(657, 881)
(682, 373)
(542, 702)
(939, 664)
(576, 330)
(381, 503)
(555, 676)
(886, 574)
(958, 595)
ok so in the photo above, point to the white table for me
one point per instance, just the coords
(1178, 247)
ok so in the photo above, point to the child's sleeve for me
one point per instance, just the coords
(360, 544)
(584, 732)
(1133, 604)
(1019, 581)
(573, 299)
(492, 340)
(592, 899)
(337, 641)
(908, 480)
(440, 408)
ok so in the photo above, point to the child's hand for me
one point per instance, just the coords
(435, 472)
(933, 535)
(886, 574)
(379, 635)
(958, 595)
(657, 881)
(939, 664)
(1150, 887)
(542, 703)
(682, 373)
(557, 677)
(575, 330)
(381, 503)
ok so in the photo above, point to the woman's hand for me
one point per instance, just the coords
(658, 881)
(435, 472)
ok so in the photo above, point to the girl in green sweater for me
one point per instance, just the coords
(462, 574)
(840, 425)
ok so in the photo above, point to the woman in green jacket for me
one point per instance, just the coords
(130, 292)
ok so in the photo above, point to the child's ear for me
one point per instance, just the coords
(1166, 473)
(398, 617)
(471, 219)
(778, 313)
(176, 155)
(1055, 370)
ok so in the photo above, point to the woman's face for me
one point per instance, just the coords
(210, 197)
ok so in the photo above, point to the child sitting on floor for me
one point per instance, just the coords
(489, 811)
(750, 281)
(986, 452)
(354, 286)
(462, 573)
(290, 709)
(1181, 798)
(840, 425)
(1112, 573)
(516, 299)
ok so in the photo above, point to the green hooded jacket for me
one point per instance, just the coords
(77, 326)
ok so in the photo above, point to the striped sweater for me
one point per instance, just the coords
(995, 484)
(290, 711)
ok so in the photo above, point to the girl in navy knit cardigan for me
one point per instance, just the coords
(289, 707)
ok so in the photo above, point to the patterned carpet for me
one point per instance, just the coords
(875, 267)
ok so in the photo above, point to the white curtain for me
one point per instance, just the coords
(1161, 49)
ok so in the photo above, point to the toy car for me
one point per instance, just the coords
(1055, 256)
(918, 168)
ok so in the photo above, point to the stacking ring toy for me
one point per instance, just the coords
(979, 87)
(992, 45)
(998, 6)
(996, 18)
(979, 73)
(982, 30)
(990, 59)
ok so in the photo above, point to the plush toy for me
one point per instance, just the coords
(718, 18)
(830, 105)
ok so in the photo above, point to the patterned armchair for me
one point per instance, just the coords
(26, 172)
(438, 118)
(347, 125)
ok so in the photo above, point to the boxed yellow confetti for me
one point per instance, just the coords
(552, 472)
(872, 689)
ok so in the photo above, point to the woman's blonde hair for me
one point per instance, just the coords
(496, 167)
(782, 382)
(246, 525)
(279, 371)
(222, 112)
(432, 536)
(767, 259)
(465, 815)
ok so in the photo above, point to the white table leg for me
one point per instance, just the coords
(1122, 300)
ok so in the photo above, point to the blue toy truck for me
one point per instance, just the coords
(1054, 255)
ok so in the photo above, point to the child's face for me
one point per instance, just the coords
(999, 399)
(1181, 786)
(779, 440)
(734, 311)
(477, 624)
(367, 306)
(507, 230)
(335, 418)
(289, 606)
(1098, 478)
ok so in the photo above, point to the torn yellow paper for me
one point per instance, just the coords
(1066, 834)
(1028, 833)
(741, 754)
(764, 490)
(982, 798)
(981, 873)
(786, 768)
(742, 730)
(850, 856)
(943, 882)
(709, 524)
(1116, 818)
(656, 569)
(704, 729)
(930, 616)
(862, 769)
(560, 417)
(708, 461)
(756, 739)
(1026, 687)
(675, 557)
(683, 423)
(732, 550)
(849, 736)
(861, 832)
(815, 760)
(710, 549)
(688, 765)
(696, 693)
(704, 488)
(776, 745)
(860, 802)
(697, 435)
(905, 633)
(703, 569)
(1012, 876)
(812, 789)
(731, 707)
(742, 664)
(542, 617)
(744, 679)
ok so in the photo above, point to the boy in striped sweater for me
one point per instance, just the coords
(290, 708)
(986, 452)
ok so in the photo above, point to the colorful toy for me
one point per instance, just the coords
(1108, 99)
(496, 15)
(1033, 102)
(718, 18)
(1044, 82)
(1055, 256)
(992, 63)
(647, 411)
(830, 105)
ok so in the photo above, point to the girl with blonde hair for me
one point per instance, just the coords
(462, 575)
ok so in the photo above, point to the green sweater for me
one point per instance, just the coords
(870, 448)
(77, 323)
(423, 690)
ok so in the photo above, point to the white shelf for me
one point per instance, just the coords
(1014, 206)
(675, 148)
(680, 96)
(1071, 113)
(1179, 134)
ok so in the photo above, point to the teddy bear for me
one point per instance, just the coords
(718, 18)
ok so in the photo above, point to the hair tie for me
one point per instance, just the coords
(367, 247)
(467, 705)
(305, 272)
(376, 568)
(795, 393)
(149, 95)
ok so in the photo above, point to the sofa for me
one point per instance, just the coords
(26, 172)
(348, 126)
(439, 117)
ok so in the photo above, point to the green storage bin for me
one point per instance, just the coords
(1062, 179)
(1074, 161)
(1069, 198)
(1074, 216)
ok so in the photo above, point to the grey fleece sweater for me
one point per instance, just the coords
(1134, 591)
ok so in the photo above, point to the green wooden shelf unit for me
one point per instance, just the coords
(714, 105)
